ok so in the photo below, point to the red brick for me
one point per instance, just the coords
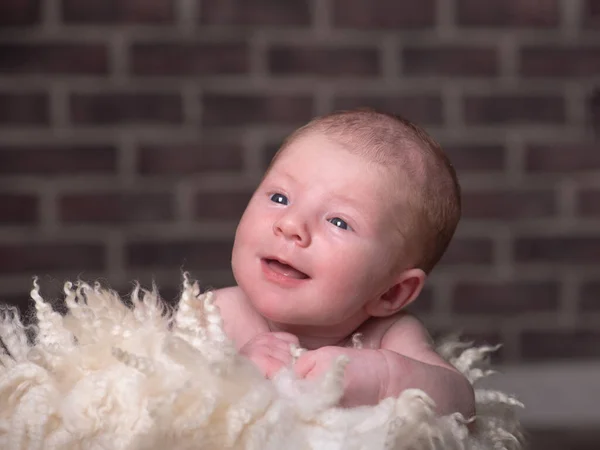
(423, 109)
(24, 109)
(476, 157)
(451, 61)
(116, 208)
(58, 160)
(126, 109)
(468, 251)
(590, 14)
(255, 12)
(514, 109)
(194, 255)
(509, 204)
(588, 202)
(589, 297)
(559, 344)
(18, 209)
(508, 13)
(323, 61)
(42, 258)
(220, 205)
(561, 249)
(20, 12)
(188, 159)
(54, 58)
(559, 62)
(118, 11)
(190, 59)
(505, 299)
(384, 14)
(250, 109)
(562, 158)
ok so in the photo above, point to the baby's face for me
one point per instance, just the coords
(317, 240)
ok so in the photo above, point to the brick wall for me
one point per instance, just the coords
(133, 131)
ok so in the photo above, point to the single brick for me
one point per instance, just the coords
(118, 11)
(505, 299)
(514, 109)
(43, 257)
(450, 61)
(248, 109)
(220, 205)
(476, 157)
(195, 255)
(18, 209)
(188, 159)
(20, 12)
(190, 59)
(57, 160)
(553, 62)
(384, 14)
(589, 296)
(423, 304)
(27, 108)
(509, 204)
(116, 208)
(566, 158)
(508, 13)
(468, 251)
(590, 14)
(126, 109)
(560, 345)
(54, 58)
(588, 202)
(323, 61)
(255, 12)
(422, 109)
(563, 249)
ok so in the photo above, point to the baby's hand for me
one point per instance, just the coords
(270, 351)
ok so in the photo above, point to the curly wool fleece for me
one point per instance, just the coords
(111, 376)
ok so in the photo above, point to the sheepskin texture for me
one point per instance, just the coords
(140, 375)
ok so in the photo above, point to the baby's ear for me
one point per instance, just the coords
(407, 288)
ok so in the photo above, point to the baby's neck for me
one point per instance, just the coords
(312, 339)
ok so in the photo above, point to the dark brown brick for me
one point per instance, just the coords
(514, 109)
(115, 208)
(323, 61)
(126, 109)
(248, 109)
(559, 344)
(552, 437)
(505, 299)
(190, 59)
(558, 250)
(178, 159)
(593, 111)
(57, 58)
(24, 109)
(384, 14)
(508, 13)
(562, 158)
(589, 294)
(255, 12)
(590, 13)
(559, 62)
(423, 304)
(42, 258)
(468, 251)
(55, 160)
(18, 209)
(193, 255)
(588, 202)
(476, 157)
(423, 109)
(220, 205)
(450, 61)
(118, 11)
(20, 12)
(509, 204)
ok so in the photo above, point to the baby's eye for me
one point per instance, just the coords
(340, 223)
(279, 198)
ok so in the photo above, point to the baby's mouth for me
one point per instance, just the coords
(285, 269)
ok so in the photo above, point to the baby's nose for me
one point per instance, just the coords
(292, 228)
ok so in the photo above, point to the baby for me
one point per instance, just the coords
(355, 210)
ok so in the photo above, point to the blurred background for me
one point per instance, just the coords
(132, 133)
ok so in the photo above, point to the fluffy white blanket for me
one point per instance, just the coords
(141, 376)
